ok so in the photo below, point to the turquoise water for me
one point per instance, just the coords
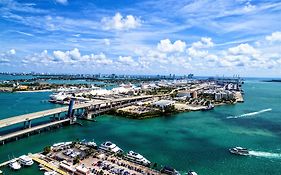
(74, 82)
(194, 140)
(15, 77)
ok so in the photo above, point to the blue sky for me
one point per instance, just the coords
(204, 37)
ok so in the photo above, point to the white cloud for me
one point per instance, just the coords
(166, 46)
(106, 41)
(118, 22)
(243, 49)
(194, 53)
(205, 42)
(127, 60)
(12, 52)
(64, 2)
(100, 59)
(275, 36)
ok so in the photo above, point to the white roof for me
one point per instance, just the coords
(164, 102)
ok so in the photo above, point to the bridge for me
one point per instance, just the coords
(88, 109)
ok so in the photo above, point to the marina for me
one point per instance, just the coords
(188, 133)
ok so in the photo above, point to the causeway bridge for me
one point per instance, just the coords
(88, 109)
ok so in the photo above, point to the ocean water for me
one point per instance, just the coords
(185, 141)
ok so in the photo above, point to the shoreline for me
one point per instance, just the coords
(45, 90)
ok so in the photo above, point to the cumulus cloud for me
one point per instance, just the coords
(166, 55)
(100, 59)
(167, 46)
(205, 42)
(68, 56)
(7, 56)
(243, 49)
(118, 22)
(275, 36)
(12, 52)
(64, 2)
(127, 60)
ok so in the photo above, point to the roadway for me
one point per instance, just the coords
(35, 115)
(28, 130)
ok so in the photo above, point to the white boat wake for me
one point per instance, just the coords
(250, 114)
(265, 154)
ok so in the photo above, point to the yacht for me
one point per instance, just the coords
(239, 151)
(111, 147)
(90, 143)
(209, 107)
(137, 158)
(59, 96)
(192, 173)
(13, 164)
(25, 160)
(169, 171)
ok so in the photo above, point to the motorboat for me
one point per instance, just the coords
(137, 158)
(111, 147)
(13, 164)
(209, 107)
(169, 170)
(50, 173)
(192, 173)
(89, 143)
(61, 96)
(25, 160)
(239, 151)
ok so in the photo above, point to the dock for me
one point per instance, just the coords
(48, 165)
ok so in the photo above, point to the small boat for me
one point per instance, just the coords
(192, 173)
(13, 164)
(137, 158)
(1, 172)
(239, 151)
(50, 173)
(25, 160)
(209, 107)
(169, 170)
(110, 147)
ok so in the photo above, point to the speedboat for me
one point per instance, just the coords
(137, 158)
(209, 107)
(169, 170)
(13, 164)
(111, 147)
(192, 173)
(25, 160)
(239, 151)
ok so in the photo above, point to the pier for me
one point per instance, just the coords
(58, 118)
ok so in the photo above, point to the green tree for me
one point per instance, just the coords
(46, 150)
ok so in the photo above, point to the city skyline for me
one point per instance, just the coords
(141, 37)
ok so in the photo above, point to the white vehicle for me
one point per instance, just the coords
(111, 147)
(13, 164)
(137, 158)
(25, 160)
